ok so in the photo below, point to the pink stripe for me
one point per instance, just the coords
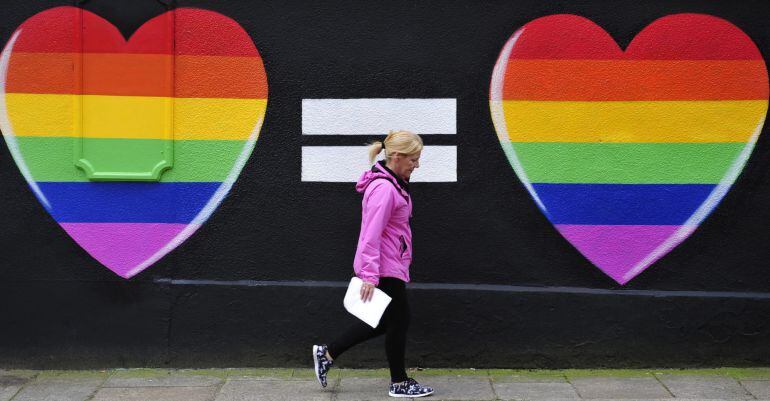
(617, 249)
(122, 246)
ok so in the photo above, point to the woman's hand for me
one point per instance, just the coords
(367, 291)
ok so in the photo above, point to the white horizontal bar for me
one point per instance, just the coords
(378, 116)
(347, 163)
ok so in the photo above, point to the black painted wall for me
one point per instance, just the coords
(60, 309)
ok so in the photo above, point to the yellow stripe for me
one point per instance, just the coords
(631, 121)
(134, 117)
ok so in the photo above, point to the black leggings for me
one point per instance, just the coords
(393, 324)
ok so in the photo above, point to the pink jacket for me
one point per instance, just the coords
(385, 243)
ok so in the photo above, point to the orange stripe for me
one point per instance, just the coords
(238, 77)
(138, 75)
(635, 80)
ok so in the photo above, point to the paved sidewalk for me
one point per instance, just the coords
(349, 384)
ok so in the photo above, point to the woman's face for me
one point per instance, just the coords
(403, 165)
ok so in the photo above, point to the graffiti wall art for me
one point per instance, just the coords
(627, 152)
(131, 145)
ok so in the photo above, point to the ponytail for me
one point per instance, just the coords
(403, 142)
(374, 149)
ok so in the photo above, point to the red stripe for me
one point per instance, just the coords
(202, 32)
(674, 37)
(52, 30)
(564, 36)
(692, 37)
(155, 36)
(197, 31)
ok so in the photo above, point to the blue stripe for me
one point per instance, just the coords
(643, 204)
(127, 202)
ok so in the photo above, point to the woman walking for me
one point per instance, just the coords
(382, 259)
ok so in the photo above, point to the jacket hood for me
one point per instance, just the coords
(367, 177)
(378, 172)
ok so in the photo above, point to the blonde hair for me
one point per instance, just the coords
(403, 142)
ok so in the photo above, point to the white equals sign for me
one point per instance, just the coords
(375, 117)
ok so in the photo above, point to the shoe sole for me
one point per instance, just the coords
(409, 396)
(315, 362)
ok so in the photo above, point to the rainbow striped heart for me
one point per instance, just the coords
(626, 153)
(131, 145)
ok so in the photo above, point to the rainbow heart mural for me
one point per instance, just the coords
(626, 153)
(131, 145)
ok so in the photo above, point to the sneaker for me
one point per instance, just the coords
(409, 388)
(322, 363)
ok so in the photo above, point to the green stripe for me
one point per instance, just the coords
(52, 158)
(125, 160)
(626, 163)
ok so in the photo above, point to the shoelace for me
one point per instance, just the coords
(414, 386)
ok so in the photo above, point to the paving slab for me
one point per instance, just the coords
(657, 399)
(132, 378)
(309, 374)
(758, 388)
(11, 383)
(258, 374)
(610, 399)
(156, 393)
(363, 389)
(517, 390)
(274, 390)
(620, 387)
(59, 388)
(704, 387)
(621, 399)
(527, 379)
(7, 392)
(456, 387)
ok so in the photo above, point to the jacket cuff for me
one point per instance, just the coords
(374, 280)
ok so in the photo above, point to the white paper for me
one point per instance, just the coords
(371, 311)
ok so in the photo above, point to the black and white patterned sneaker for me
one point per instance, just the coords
(409, 388)
(322, 363)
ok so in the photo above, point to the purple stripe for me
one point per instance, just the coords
(122, 246)
(618, 249)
